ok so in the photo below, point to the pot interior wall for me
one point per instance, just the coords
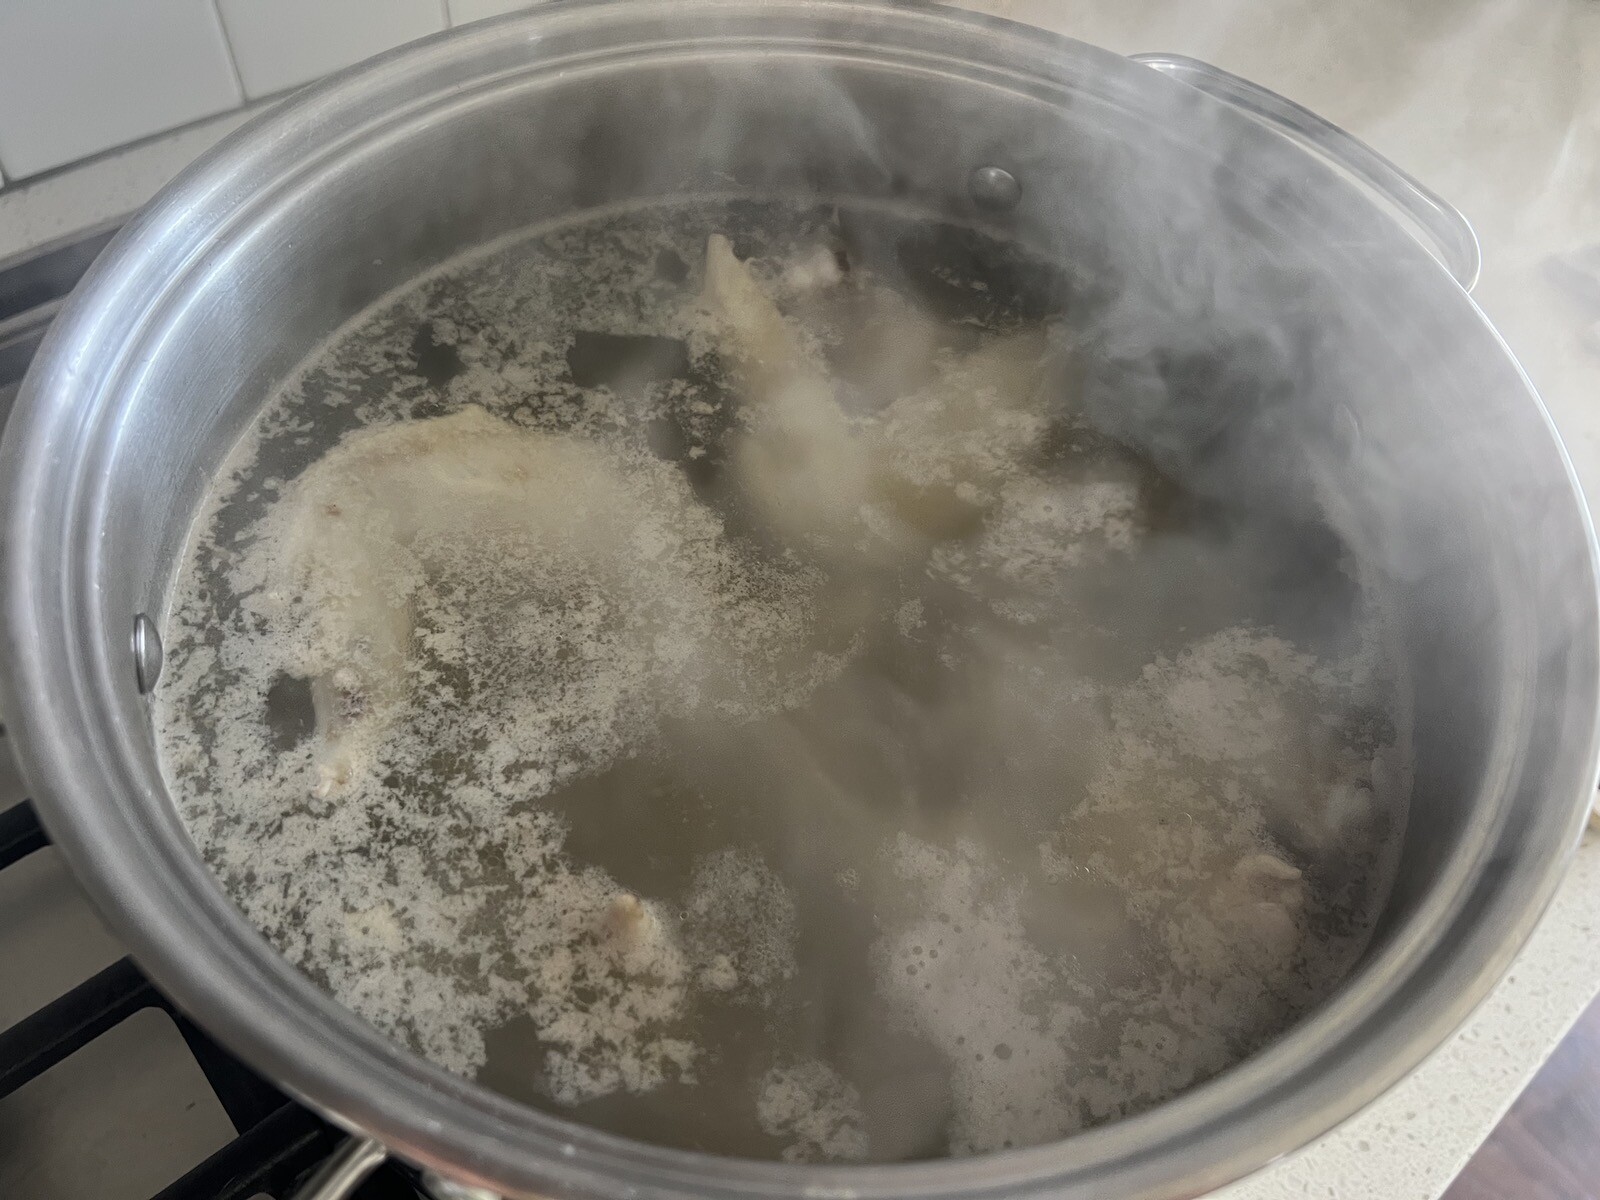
(1260, 323)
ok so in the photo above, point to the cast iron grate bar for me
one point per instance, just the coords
(274, 1157)
(34, 286)
(20, 339)
(38, 276)
(268, 1159)
(20, 834)
(279, 1141)
(67, 1024)
(70, 1022)
(245, 1096)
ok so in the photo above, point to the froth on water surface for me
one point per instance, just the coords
(704, 672)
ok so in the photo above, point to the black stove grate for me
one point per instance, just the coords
(278, 1141)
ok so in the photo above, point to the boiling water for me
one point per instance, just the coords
(810, 739)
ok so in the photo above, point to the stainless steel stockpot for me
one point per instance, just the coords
(1209, 208)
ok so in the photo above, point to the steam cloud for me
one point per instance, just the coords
(956, 807)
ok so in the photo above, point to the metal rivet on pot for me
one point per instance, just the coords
(994, 188)
(146, 653)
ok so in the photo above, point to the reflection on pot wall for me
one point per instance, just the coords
(79, 77)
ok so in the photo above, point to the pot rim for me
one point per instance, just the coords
(148, 880)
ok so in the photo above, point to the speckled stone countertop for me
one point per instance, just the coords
(1496, 105)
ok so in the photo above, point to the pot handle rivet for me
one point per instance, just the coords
(147, 657)
(994, 189)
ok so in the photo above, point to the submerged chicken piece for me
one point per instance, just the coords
(364, 526)
(925, 472)
(802, 463)
(1262, 902)
(633, 934)
(358, 664)
(945, 449)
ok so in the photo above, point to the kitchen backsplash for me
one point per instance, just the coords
(79, 77)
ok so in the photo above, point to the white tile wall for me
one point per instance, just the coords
(81, 76)
(280, 44)
(462, 11)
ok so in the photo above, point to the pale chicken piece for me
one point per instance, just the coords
(1325, 822)
(363, 522)
(627, 918)
(1262, 901)
(802, 463)
(1267, 867)
(930, 466)
(633, 933)
(945, 449)
(767, 348)
(815, 270)
(361, 625)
